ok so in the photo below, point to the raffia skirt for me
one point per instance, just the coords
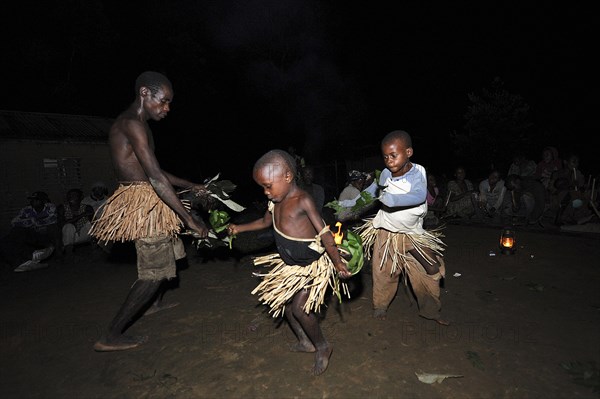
(396, 245)
(283, 281)
(135, 211)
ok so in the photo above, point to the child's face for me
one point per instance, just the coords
(396, 157)
(275, 181)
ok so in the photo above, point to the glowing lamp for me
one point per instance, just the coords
(508, 243)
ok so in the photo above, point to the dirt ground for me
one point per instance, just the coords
(523, 326)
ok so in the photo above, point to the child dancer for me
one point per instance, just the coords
(396, 236)
(302, 272)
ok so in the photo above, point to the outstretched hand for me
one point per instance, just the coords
(232, 229)
(199, 228)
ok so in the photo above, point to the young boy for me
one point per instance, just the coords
(396, 234)
(296, 285)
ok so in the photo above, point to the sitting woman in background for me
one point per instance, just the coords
(435, 202)
(569, 197)
(549, 164)
(460, 190)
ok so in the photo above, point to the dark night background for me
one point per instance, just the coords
(327, 77)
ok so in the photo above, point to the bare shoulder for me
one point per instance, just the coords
(126, 124)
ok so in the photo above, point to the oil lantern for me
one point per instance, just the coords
(508, 243)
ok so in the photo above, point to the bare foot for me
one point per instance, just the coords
(303, 347)
(157, 308)
(322, 360)
(380, 314)
(123, 343)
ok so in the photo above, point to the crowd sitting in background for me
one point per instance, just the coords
(521, 166)
(549, 165)
(527, 199)
(33, 236)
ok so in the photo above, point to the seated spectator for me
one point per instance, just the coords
(569, 198)
(435, 202)
(316, 191)
(460, 190)
(549, 164)
(354, 185)
(352, 196)
(527, 198)
(33, 236)
(97, 197)
(489, 200)
(75, 220)
(522, 166)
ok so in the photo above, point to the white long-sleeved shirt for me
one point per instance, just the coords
(493, 198)
(408, 192)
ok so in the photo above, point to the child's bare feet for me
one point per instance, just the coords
(123, 343)
(303, 347)
(322, 360)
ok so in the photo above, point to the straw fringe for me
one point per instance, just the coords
(135, 211)
(283, 281)
(395, 245)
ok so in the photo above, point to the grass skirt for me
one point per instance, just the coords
(397, 244)
(280, 284)
(135, 211)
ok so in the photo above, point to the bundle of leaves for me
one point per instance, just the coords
(363, 204)
(219, 220)
(352, 245)
(218, 190)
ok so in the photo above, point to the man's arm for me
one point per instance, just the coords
(180, 182)
(136, 134)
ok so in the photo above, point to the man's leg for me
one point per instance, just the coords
(310, 324)
(178, 252)
(139, 295)
(158, 303)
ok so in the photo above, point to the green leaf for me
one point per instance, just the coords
(353, 244)
(218, 220)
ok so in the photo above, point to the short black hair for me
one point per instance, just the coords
(153, 81)
(398, 135)
(278, 157)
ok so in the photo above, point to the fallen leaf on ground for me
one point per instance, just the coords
(430, 378)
